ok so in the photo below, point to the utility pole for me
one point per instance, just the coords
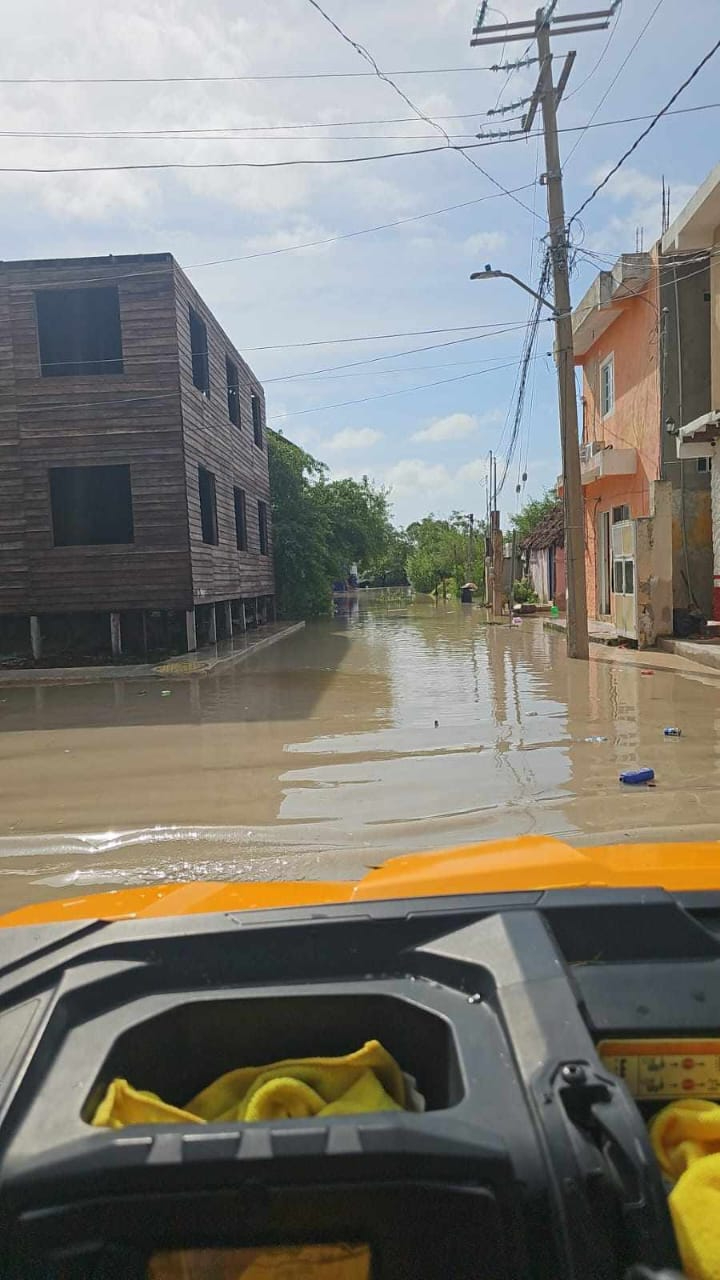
(547, 96)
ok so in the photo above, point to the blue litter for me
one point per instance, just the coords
(672, 732)
(634, 777)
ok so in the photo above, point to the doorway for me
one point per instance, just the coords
(603, 564)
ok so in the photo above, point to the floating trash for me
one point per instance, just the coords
(636, 777)
(647, 672)
(166, 693)
(672, 732)
(597, 738)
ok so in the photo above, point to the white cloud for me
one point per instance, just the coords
(456, 426)
(354, 438)
(485, 242)
(413, 476)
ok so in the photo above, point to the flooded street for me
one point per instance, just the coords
(383, 730)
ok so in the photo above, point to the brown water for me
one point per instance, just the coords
(320, 756)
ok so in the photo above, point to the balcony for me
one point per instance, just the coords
(598, 461)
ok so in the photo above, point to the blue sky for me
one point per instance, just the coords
(428, 445)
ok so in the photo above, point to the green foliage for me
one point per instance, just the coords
(442, 550)
(534, 511)
(524, 592)
(320, 527)
(389, 568)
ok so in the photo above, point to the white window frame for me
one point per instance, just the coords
(608, 363)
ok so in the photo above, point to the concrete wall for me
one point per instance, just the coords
(653, 568)
(686, 386)
(634, 422)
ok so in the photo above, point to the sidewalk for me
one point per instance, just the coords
(186, 665)
(599, 632)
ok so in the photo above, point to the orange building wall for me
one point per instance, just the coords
(634, 422)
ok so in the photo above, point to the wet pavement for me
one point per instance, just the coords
(385, 729)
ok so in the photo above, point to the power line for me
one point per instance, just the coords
(626, 155)
(306, 75)
(378, 337)
(196, 136)
(617, 75)
(386, 78)
(251, 164)
(402, 391)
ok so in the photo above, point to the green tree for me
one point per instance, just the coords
(300, 531)
(443, 550)
(534, 511)
(320, 527)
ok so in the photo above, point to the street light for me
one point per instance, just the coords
(490, 274)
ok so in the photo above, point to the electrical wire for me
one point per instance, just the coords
(257, 164)
(306, 75)
(616, 77)
(663, 111)
(387, 79)
(402, 391)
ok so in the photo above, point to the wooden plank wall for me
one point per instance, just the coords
(133, 418)
(211, 440)
(14, 574)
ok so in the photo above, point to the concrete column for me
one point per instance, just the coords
(715, 506)
(35, 637)
(115, 635)
(243, 619)
(190, 630)
(226, 614)
(212, 629)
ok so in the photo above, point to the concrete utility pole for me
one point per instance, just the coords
(547, 96)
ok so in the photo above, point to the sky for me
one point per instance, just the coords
(417, 412)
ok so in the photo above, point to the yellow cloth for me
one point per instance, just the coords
(303, 1262)
(686, 1140)
(368, 1080)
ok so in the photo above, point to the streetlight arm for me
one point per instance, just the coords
(508, 275)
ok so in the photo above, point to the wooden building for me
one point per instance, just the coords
(133, 457)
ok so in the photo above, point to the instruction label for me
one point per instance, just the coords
(665, 1068)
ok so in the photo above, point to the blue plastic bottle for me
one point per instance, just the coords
(634, 777)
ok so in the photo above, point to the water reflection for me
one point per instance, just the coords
(385, 728)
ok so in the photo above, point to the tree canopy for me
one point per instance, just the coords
(534, 511)
(443, 549)
(320, 527)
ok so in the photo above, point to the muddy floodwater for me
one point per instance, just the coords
(382, 730)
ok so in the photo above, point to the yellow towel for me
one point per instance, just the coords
(686, 1140)
(368, 1080)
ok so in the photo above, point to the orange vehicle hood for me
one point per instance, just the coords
(500, 866)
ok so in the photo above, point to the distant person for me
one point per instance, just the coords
(466, 595)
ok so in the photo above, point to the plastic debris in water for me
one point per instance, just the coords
(437, 724)
(647, 672)
(672, 732)
(635, 777)
(597, 738)
(166, 693)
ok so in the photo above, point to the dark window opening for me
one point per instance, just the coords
(620, 513)
(240, 519)
(199, 349)
(79, 332)
(257, 422)
(233, 390)
(629, 577)
(208, 506)
(263, 527)
(618, 578)
(704, 464)
(91, 506)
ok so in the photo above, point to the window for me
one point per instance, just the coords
(629, 577)
(263, 527)
(79, 332)
(257, 422)
(704, 464)
(618, 577)
(199, 349)
(607, 386)
(233, 390)
(208, 506)
(91, 506)
(240, 519)
(620, 513)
